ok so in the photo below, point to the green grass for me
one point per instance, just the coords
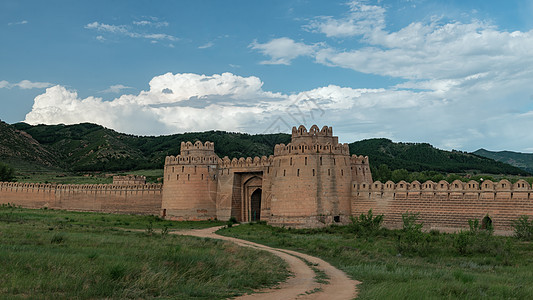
(62, 177)
(432, 268)
(48, 254)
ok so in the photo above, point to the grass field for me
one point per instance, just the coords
(432, 266)
(48, 254)
(61, 177)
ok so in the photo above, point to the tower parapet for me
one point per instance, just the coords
(197, 149)
(322, 136)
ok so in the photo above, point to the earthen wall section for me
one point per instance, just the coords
(133, 199)
(444, 206)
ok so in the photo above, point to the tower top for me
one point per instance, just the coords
(315, 135)
(197, 149)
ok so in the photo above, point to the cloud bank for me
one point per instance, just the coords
(24, 84)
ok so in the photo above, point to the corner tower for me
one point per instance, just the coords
(190, 183)
(311, 180)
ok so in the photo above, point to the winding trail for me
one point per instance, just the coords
(302, 284)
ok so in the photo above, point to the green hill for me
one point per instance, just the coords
(523, 161)
(19, 149)
(417, 157)
(91, 147)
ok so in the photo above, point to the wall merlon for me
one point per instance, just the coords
(456, 186)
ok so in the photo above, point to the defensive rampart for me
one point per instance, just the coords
(445, 206)
(111, 198)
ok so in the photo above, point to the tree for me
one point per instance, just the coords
(6, 173)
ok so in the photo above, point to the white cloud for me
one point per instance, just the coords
(150, 23)
(24, 84)
(18, 23)
(362, 19)
(189, 102)
(126, 31)
(116, 89)
(206, 45)
(282, 50)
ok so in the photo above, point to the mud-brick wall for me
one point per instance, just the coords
(134, 199)
(444, 206)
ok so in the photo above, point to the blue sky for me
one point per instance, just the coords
(456, 74)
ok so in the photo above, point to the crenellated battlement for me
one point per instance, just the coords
(298, 148)
(192, 160)
(197, 149)
(359, 160)
(246, 162)
(19, 186)
(313, 131)
(197, 146)
(444, 186)
(129, 179)
(324, 136)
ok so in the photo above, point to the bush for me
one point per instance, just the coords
(366, 225)
(58, 238)
(411, 239)
(6, 173)
(479, 239)
(523, 228)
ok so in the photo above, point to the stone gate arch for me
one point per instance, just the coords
(252, 193)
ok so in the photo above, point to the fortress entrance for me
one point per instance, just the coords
(255, 205)
(247, 194)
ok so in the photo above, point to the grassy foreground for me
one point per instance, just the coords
(431, 266)
(48, 254)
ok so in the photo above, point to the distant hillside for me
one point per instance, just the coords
(91, 147)
(523, 161)
(18, 148)
(417, 157)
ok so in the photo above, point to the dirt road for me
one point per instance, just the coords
(303, 283)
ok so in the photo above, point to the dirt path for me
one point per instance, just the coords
(302, 284)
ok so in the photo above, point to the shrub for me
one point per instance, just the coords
(411, 239)
(479, 239)
(150, 228)
(366, 225)
(523, 228)
(6, 173)
(58, 238)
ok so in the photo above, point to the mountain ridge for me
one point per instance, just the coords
(91, 147)
(521, 160)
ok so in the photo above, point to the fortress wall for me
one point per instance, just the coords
(190, 188)
(266, 197)
(444, 206)
(334, 190)
(28, 195)
(133, 199)
(294, 198)
(225, 185)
